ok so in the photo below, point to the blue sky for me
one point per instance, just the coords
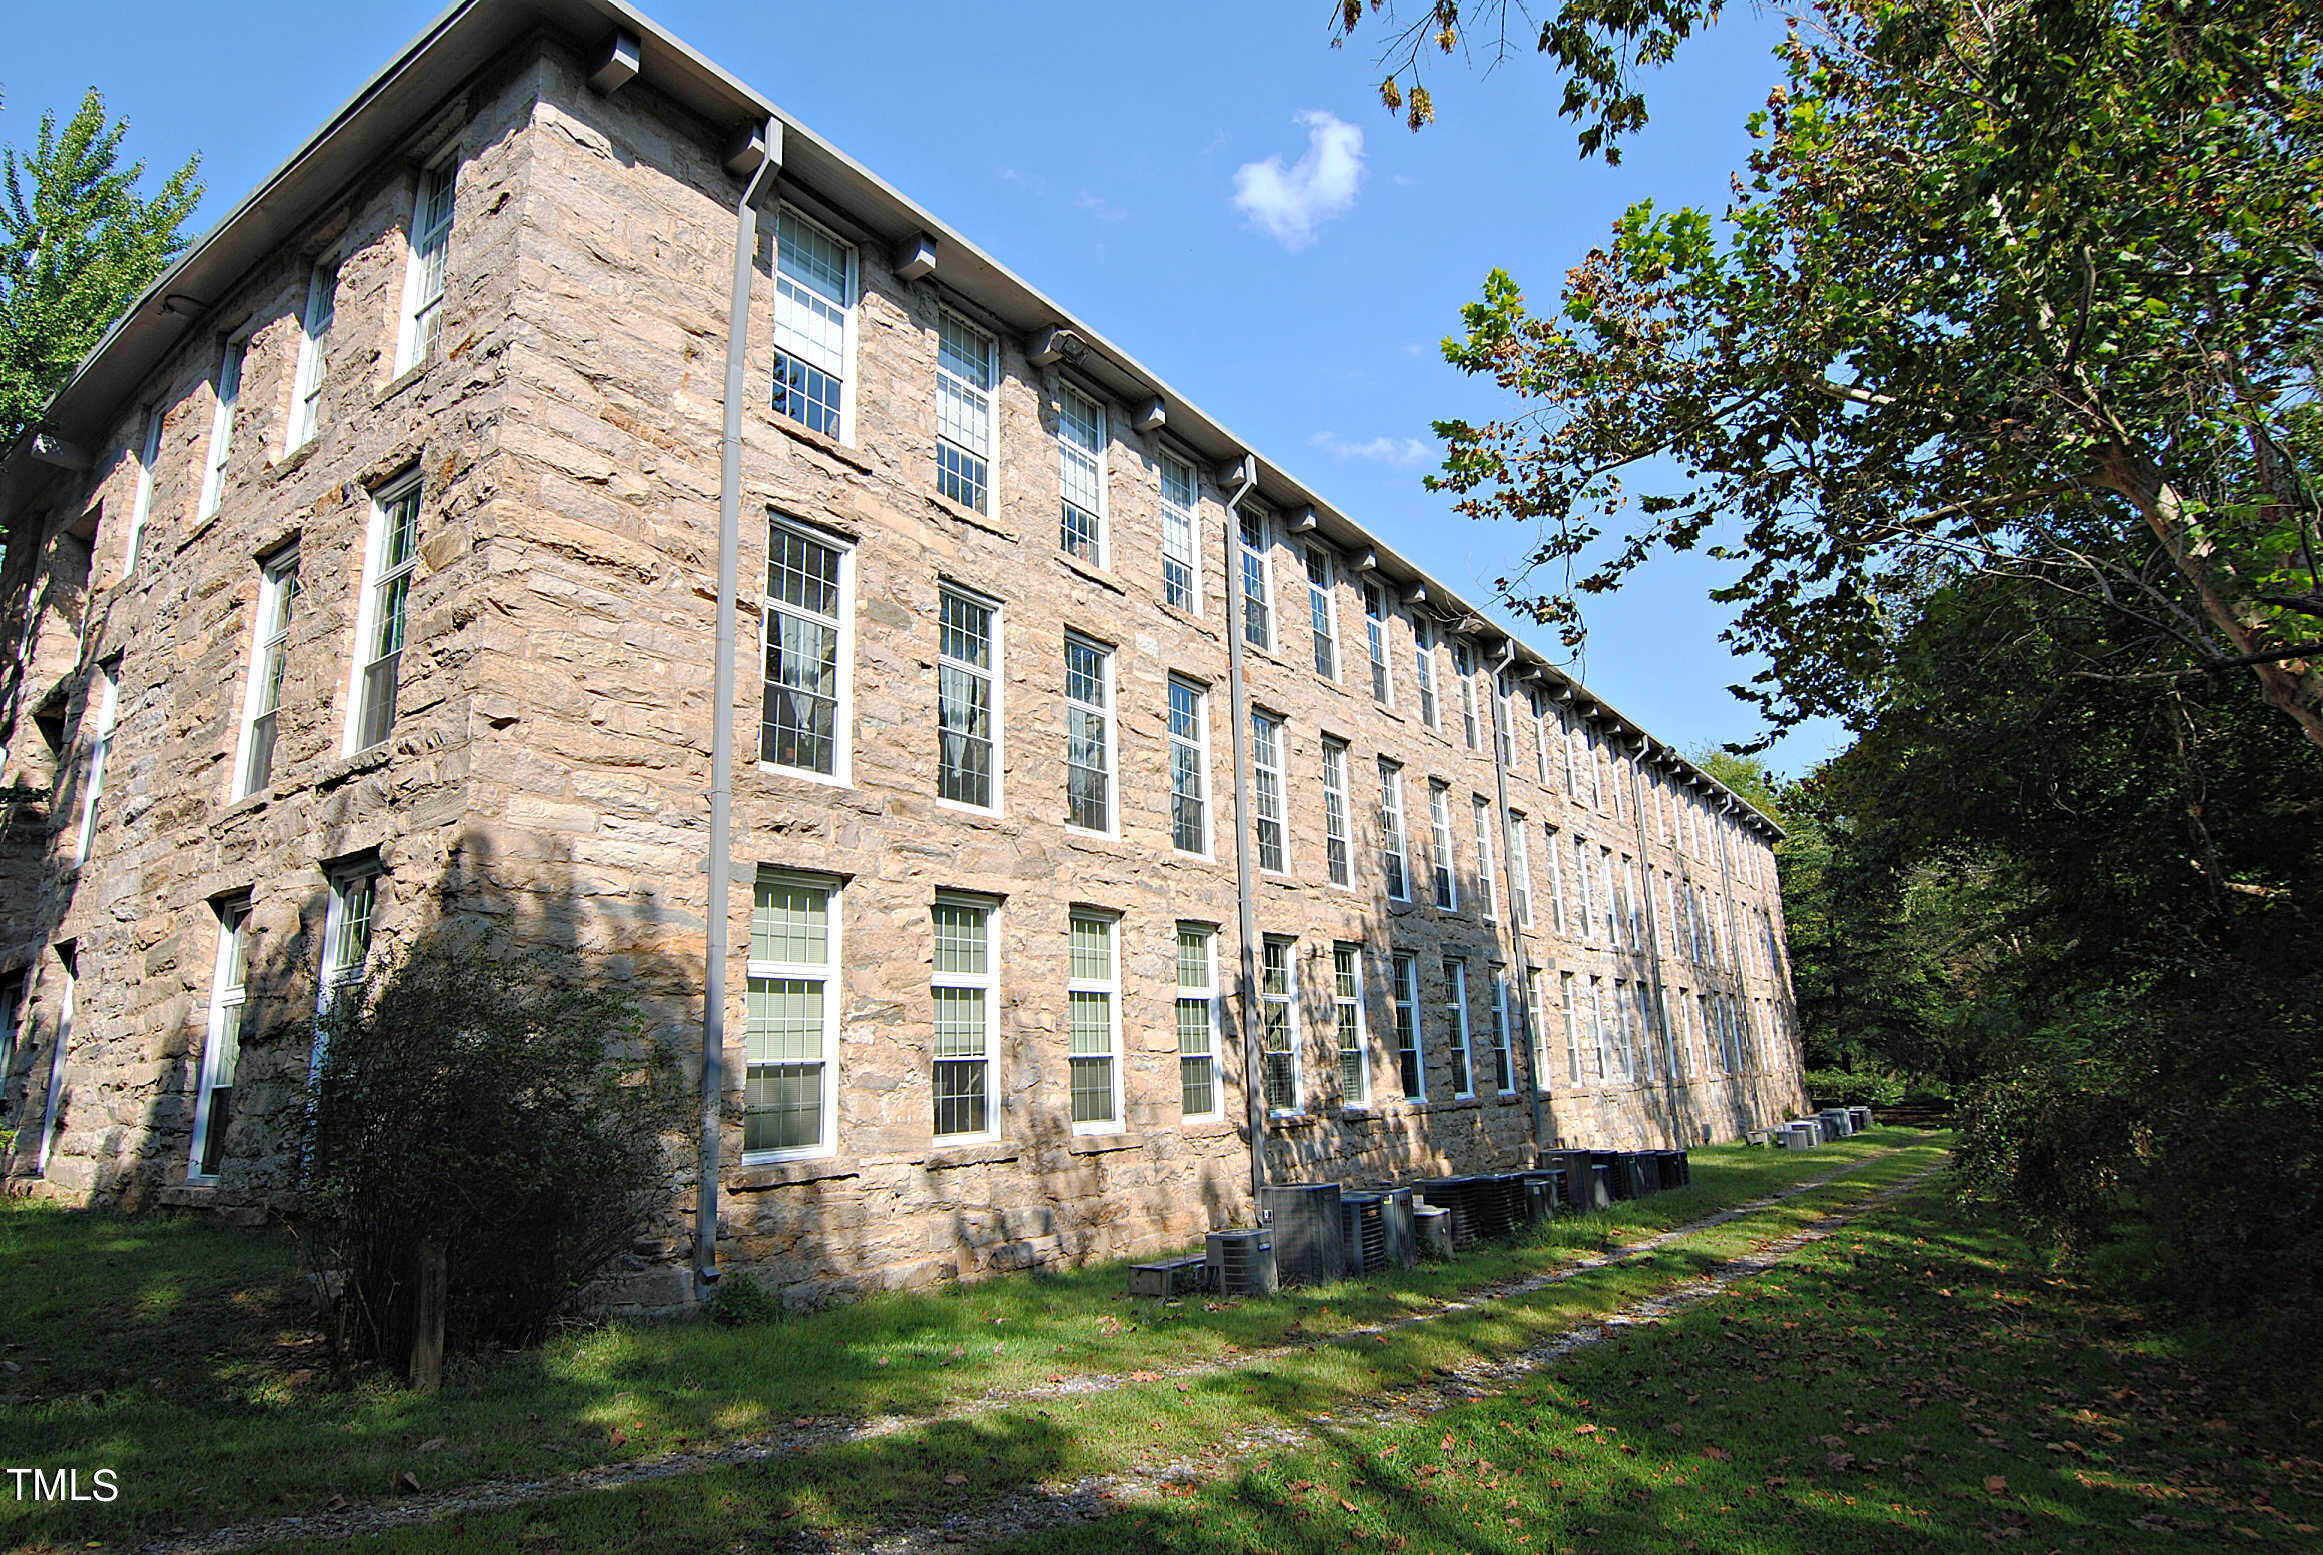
(1099, 151)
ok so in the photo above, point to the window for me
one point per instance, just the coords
(1257, 582)
(1338, 845)
(967, 371)
(1266, 781)
(1504, 721)
(967, 700)
(347, 917)
(1181, 558)
(1600, 1042)
(1464, 665)
(803, 722)
(1375, 639)
(1568, 998)
(314, 339)
(1573, 749)
(1481, 810)
(1189, 767)
(1588, 902)
(1394, 854)
(1556, 881)
(1596, 771)
(423, 281)
(790, 1037)
(100, 701)
(229, 391)
(11, 1017)
(269, 644)
(963, 989)
(1093, 994)
(222, 1047)
(1081, 472)
(1347, 1019)
(1673, 1037)
(1323, 612)
(1440, 829)
(1520, 870)
(1456, 1022)
(1712, 1045)
(1536, 1023)
(1611, 909)
(69, 968)
(1088, 735)
(814, 324)
(1541, 740)
(1198, 1082)
(1648, 1038)
(1279, 1023)
(149, 456)
(1424, 668)
(1503, 1045)
(1625, 1051)
(392, 559)
(1636, 905)
(1409, 1066)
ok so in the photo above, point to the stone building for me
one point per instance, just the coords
(368, 573)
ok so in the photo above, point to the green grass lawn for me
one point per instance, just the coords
(175, 1352)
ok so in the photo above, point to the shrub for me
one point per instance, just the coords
(1854, 1088)
(498, 1107)
(741, 1302)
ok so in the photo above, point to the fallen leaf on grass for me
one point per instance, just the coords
(955, 1479)
(1996, 1483)
(1720, 1453)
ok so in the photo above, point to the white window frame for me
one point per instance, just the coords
(1445, 875)
(1287, 1001)
(1404, 993)
(1376, 613)
(1648, 1034)
(827, 972)
(1424, 670)
(227, 392)
(1464, 666)
(352, 887)
(988, 674)
(377, 579)
(1268, 809)
(1197, 745)
(1503, 1034)
(841, 774)
(789, 341)
(1504, 720)
(99, 741)
(1610, 929)
(1520, 870)
(68, 959)
(314, 334)
(1581, 875)
(1574, 744)
(1557, 910)
(1256, 559)
(1181, 533)
(1207, 995)
(229, 999)
(1338, 817)
(1395, 861)
(1108, 723)
(1541, 741)
(1568, 994)
(1110, 987)
(977, 415)
(141, 506)
(1600, 1038)
(986, 982)
(269, 660)
(1323, 610)
(1346, 1009)
(1537, 1027)
(429, 239)
(1456, 1017)
(1488, 889)
(1072, 453)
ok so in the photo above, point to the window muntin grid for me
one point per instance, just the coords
(1487, 889)
(963, 989)
(1520, 870)
(967, 372)
(1456, 1022)
(1504, 722)
(1588, 895)
(1375, 643)
(1601, 1041)
(306, 391)
(1093, 1001)
(347, 919)
(1542, 742)
(1323, 612)
(1567, 996)
(1081, 476)
(1338, 841)
(394, 562)
(1257, 581)
(1610, 925)
(1088, 735)
(1266, 781)
(1394, 850)
(229, 397)
(1411, 1069)
(1279, 1023)
(100, 704)
(1197, 1013)
(431, 238)
(814, 302)
(141, 507)
(1623, 1059)
(1639, 1061)
(800, 723)
(1503, 1042)
(1447, 879)
(1424, 669)
(787, 1099)
(1573, 747)
(967, 695)
(1556, 854)
(1347, 1022)
(1536, 1016)
(1181, 565)
(1464, 666)
(269, 659)
(222, 1043)
(1189, 767)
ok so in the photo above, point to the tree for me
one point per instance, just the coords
(2001, 285)
(77, 244)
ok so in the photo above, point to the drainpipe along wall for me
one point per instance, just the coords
(760, 145)
(1244, 474)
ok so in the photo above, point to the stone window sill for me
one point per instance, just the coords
(1096, 575)
(758, 1176)
(402, 381)
(1103, 1144)
(990, 1153)
(798, 432)
(1293, 1120)
(960, 512)
(353, 766)
(1214, 1128)
(276, 469)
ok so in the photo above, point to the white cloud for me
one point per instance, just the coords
(1380, 450)
(1098, 206)
(1290, 203)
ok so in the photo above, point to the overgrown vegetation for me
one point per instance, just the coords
(498, 1108)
